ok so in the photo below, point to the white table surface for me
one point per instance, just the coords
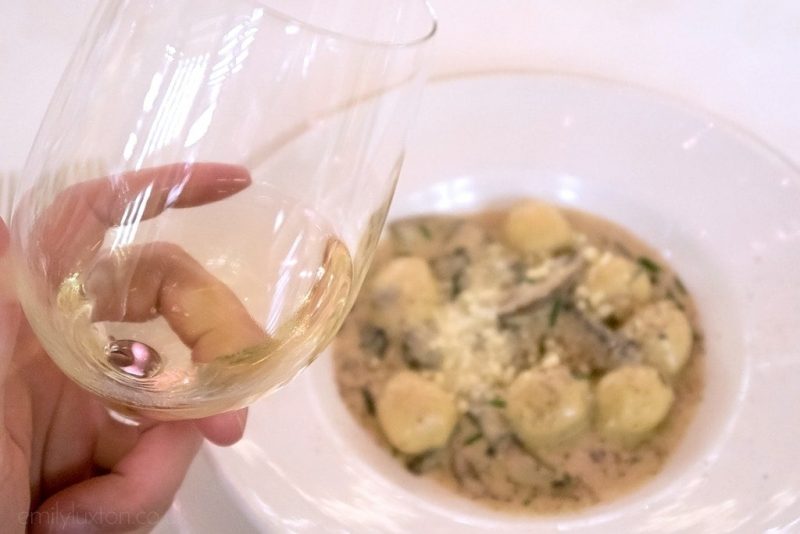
(737, 58)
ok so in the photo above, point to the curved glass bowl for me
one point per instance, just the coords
(207, 188)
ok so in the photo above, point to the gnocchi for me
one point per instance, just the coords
(404, 293)
(631, 402)
(415, 414)
(664, 335)
(615, 285)
(538, 228)
(533, 359)
(547, 407)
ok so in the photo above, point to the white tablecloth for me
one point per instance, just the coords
(738, 58)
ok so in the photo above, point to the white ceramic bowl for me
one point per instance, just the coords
(722, 207)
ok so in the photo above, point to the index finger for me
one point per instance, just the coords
(72, 228)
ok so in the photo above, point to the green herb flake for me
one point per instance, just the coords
(562, 482)
(542, 348)
(457, 285)
(671, 296)
(369, 401)
(374, 340)
(415, 464)
(555, 311)
(649, 265)
(473, 438)
(497, 402)
(425, 231)
(473, 419)
(680, 286)
(422, 462)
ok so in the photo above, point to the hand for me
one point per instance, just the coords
(66, 465)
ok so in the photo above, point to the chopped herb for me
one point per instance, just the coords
(555, 311)
(564, 251)
(520, 270)
(497, 402)
(697, 336)
(457, 285)
(562, 482)
(369, 400)
(597, 455)
(527, 502)
(652, 268)
(473, 438)
(416, 352)
(413, 364)
(542, 348)
(622, 249)
(671, 296)
(425, 231)
(591, 374)
(374, 340)
(416, 464)
(613, 322)
(452, 266)
(506, 322)
(473, 419)
(680, 286)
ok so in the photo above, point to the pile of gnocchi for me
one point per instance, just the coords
(531, 358)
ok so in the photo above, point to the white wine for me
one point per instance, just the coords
(199, 310)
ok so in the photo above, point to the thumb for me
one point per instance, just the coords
(6, 285)
(10, 313)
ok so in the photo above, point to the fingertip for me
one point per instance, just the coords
(4, 237)
(7, 289)
(237, 175)
(210, 182)
(228, 179)
(224, 429)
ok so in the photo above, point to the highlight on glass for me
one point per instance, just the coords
(207, 189)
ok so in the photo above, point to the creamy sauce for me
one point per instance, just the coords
(482, 459)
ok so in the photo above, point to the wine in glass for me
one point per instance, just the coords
(207, 188)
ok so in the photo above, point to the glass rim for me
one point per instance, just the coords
(377, 43)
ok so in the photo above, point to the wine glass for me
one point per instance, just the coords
(206, 191)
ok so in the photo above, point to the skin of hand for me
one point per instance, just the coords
(65, 464)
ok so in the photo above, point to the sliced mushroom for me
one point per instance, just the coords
(373, 340)
(619, 349)
(492, 423)
(524, 297)
(417, 350)
(453, 267)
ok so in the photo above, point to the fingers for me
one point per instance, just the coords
(136, 493)
(6, 283)
(224, 429)
(171, 186)
(4, 237)
(10, 315)
(72, 229)
(162, 279)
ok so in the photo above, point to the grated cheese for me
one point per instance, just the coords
(476, 354)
